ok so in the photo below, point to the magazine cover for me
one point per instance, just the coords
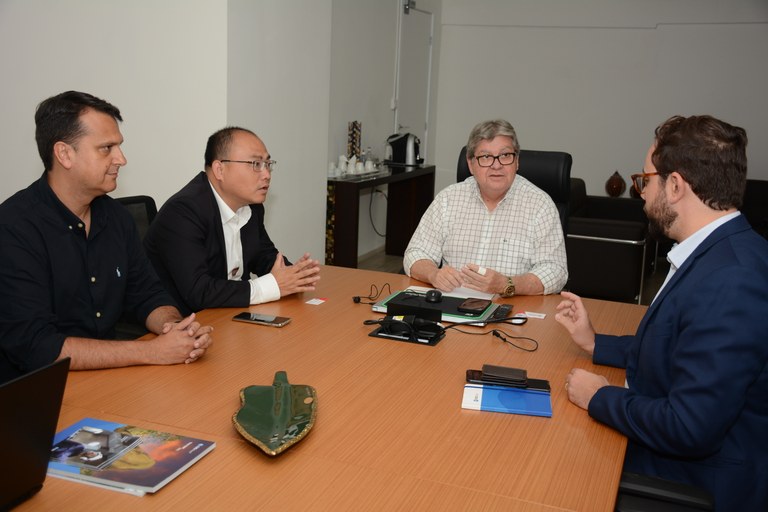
(122, 457)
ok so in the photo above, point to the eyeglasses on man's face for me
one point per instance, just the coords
(487, 160)
(258, 165)
(639, 181)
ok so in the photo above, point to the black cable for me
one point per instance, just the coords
(503, 336)
(497, 333)
(370, 211)
(511, 320)
(373, 294)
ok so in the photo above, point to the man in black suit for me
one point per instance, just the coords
(208, 243)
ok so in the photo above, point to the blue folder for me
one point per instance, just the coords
(484, 397)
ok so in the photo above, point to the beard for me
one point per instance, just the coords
(660, 217)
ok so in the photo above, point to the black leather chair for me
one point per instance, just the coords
(143, 210)
(548, 170)
(606, 245)
(642, 493)
(755, 206)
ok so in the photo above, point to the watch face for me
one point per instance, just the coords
(510, 289)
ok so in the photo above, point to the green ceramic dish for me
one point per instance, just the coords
(276, 417)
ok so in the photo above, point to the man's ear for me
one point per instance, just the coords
(217, 170)
(676, 186)
(62, 154)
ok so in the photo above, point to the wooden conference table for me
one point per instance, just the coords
(390, 431)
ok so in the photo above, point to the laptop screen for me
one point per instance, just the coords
(29, 406)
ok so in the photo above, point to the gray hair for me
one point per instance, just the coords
(488, 130)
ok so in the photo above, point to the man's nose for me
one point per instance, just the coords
(120, 158)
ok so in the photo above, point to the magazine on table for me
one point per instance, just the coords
(122, 457)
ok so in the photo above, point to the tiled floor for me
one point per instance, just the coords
(377, 260)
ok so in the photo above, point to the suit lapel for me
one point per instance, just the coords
(724, 231)
(214, 216)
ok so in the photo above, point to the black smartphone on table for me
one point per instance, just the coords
(476, 377)
(258, 318)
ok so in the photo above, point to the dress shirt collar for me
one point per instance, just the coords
(476, 189)
(70, 221)
(242, 215)
(680, 252)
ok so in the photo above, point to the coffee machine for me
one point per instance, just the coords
(403, 150)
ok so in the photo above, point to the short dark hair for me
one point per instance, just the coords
(219, 143)
(489, 130)
(58, 119)
(708, 153)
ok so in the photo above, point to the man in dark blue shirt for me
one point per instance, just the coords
(71, 261)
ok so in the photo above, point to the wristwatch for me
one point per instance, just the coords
(509, 290)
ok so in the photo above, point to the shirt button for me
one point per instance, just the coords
(70, 227)
(98, 314)
(80, 225)
(93, 279)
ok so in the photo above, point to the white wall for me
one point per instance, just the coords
(163, 75)
(363, 62)
(591, 77)
(279, 78)
(363, 43)
(177, 75)
(595, 78)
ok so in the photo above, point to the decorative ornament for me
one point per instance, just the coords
(615, 186)
(276, 417)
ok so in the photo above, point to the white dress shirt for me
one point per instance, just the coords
(264, 288)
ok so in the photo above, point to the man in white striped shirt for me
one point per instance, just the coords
(495, 232)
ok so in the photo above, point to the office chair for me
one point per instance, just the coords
(548, 170)
(642, 493)
(755, 206)
(606, 246)
(143, 210)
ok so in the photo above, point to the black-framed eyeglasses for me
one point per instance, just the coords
(639, 181)
(487, 160)
(258, 165)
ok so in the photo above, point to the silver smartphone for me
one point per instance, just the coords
(258, 318)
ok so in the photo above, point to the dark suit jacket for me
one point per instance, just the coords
(185, 243)
(696, 410)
